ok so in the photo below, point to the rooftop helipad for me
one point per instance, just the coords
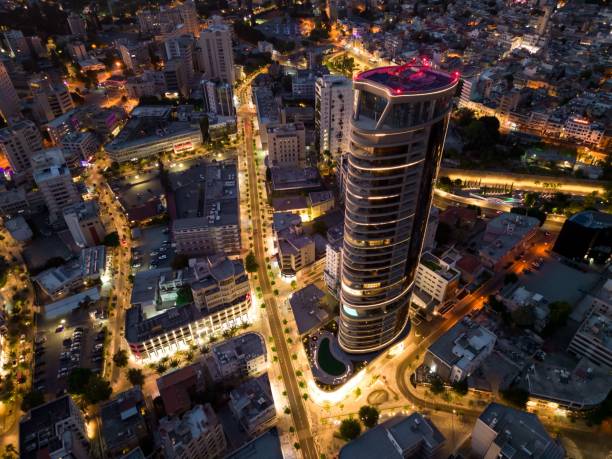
(409, 79)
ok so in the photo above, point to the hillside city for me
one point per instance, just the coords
(311, 229)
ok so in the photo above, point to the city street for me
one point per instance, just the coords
(298, 411)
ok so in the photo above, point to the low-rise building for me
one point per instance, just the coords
(123, 424)
(437, 276)
(80, 144)
(19, 229)
(501, 431)
(84, 224)
(54, 429)
(252, 404)
(204, 209)
(593, 339)
(460, 351)
(144, 137)
(581, 388)
(177, 387)
(307, 308)
(504, 236)
(197, 434)
(401, 437)
(244, 355)
(267, 445)
(292, 179)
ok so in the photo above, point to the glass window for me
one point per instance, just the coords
(371, 106)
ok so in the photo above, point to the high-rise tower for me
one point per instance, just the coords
(396, 140)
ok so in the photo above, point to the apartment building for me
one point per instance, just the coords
(239, 357)
(196, 434)
(18, 143)
(217, 55)
(84, 224)
(286, 144)
(9, 100)
(333, 112)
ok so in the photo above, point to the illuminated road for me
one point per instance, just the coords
(526, 182)
(298, 411)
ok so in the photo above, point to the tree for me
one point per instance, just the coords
(517, 396)
(320, 227)
(437, 386)
(184, 295)
(523, 316)
(251, 263)
(350, 429)
(111, 239)
(369, 416)
(135, 377)
(559, 313)
(510, 278)
(460, 387)
(32, 399)
(121, 358)
(78, 380)
(180, 261)
(97, 390)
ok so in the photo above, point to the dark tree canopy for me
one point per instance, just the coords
(369, 416)
(350, 429)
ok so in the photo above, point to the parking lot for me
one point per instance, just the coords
(153, 249)
(62, 344)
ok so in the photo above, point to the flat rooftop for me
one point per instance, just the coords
(267, 446)
(206, 191)
(406, 79)
(307, 308)
(246, 346)
(144, 130)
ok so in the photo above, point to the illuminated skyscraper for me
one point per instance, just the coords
(396, 141)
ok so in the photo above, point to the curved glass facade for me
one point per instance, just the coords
(395, 151)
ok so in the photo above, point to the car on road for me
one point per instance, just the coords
(162, 257)
(59, 329)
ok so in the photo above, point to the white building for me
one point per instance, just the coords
(503, 432)
(244, 355)
(84, 224)
(286, 144)
(9, 100)
(217, 55)
(334, 109)
(54, 181)
(333, 266)
(182, 48)
(459, 352)
(196, 434)
(437, 277)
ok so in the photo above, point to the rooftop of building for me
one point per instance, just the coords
(586, 384)
(285, 129)
(512, 223)
(294, 178)
(592, 219)
(191, 425)
(266, 446)
(408, 79)
(84, 210)
(37, 428)
(390, 438)
(144, 289)
(216, 269)
(55, 278)
(122, 418)
(289, 203)
(175, 387)
(252, 397)
(598, 327)
(139, 327)
(244, 347)
(318, 197)
(284, 220)
(520, 435)
(462, 343)
(207, 192)
(307, 308)
(440, 267)
(145, 130)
